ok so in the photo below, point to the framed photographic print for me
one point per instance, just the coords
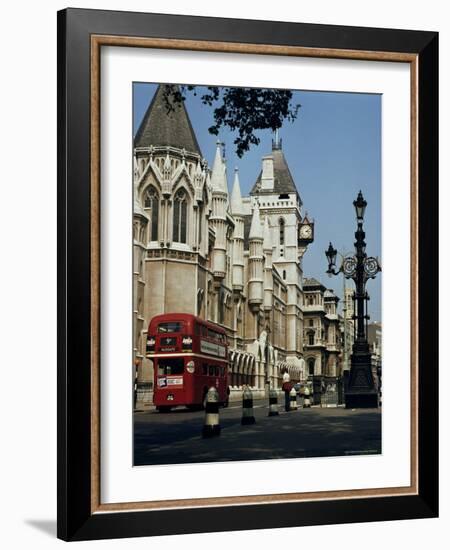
(247, 274)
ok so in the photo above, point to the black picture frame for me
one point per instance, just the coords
(76, 521)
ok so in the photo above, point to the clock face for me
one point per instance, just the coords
(306, 231)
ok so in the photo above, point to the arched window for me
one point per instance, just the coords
(151, 203)
(281, 232)
(180, 217)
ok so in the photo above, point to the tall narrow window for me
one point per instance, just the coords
(200, 216)
(281, 232)
(311, 363)
(151, 204)
(221, 307)
(311, 338)
(180, 217)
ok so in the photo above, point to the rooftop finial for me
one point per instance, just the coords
(221, 147)
(276, 143)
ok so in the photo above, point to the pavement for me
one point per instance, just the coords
(176, 437)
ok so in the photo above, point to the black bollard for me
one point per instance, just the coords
(211, 427)
(247, 408)
(307, 399)
(293, 400)
(273, 403)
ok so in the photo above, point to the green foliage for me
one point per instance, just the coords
(242, 110)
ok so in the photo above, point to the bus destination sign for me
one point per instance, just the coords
(211, 348)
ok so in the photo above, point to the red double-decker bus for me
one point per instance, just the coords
(189, 356)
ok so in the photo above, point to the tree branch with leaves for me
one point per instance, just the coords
(241, 110)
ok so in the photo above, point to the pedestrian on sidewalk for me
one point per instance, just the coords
(286, 387)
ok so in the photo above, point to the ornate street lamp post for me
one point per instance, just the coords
(361, 391)
(345, 353)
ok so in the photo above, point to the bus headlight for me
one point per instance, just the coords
(190, 367)
(151, 345)
(187, 343)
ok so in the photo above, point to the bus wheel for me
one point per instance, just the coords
(164, 409)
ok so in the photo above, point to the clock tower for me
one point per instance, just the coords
(279, 202)
(305, 232)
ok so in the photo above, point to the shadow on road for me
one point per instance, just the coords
(166, 439)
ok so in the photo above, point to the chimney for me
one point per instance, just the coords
(267, 173)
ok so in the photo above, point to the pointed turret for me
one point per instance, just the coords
(256, 229)
(237, 211)
(218, 218)
(275, 176)
(161, 127)
(236, 197)
(218, 173)
(255, 262)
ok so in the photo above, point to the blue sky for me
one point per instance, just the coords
(333, 150)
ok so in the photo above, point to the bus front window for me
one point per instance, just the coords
(173, 326)
(170, 365)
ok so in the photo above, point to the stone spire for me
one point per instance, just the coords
(219, 173)
(169, 129)
(236, 197)
(237, 211)
(218, 217)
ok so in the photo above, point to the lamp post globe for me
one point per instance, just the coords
(331, 257)
(360, 206)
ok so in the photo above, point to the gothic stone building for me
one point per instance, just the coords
(233, 260)
(322, 336)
